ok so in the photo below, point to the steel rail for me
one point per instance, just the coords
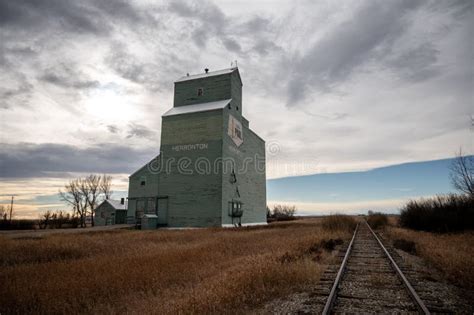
(419, 303)
(332, 294)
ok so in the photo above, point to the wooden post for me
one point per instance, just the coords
(11, 210)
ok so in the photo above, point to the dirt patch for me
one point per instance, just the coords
(315, 251)
(331, 244)
(405, 245)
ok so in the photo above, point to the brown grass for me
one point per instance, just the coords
(163, 271)
(377, 220)
(451, 253)
(339, 222)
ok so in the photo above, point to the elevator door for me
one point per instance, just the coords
(162, 211)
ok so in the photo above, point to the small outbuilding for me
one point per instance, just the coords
(111, 212)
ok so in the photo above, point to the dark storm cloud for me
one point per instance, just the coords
(26, 160)
(18, 95)
(67, 77)
(263, 47)
(32, 30)
(256, 24)
(14, 51)
(72, 16)
(352, 43)
(182, 8)
(211, 22)
(132, 68)
(140, 131)
(458, 8)
(231, 45)
(416, 64)
(113, 129)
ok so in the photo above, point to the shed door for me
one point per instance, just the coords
(120, 217)
(162, 211)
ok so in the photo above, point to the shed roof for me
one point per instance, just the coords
(115, 204)
(205, 75)
(155, 158)
(201, 107)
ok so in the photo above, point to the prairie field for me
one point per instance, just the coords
(450, 253)
(163, 271)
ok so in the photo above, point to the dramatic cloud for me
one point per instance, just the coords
(352, 44)
(93, 17)
(26, 160)
(139, 131)
(64, 76)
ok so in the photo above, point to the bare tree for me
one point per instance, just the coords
(462, 173)
(3, 213)
(90, 188)
(106, 186)
(11, 210)
(74, 196)
(83, 194)
(283, 212)
(45, 219)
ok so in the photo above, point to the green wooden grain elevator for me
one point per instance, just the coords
(211, 166)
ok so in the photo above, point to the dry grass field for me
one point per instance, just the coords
(163, 271)
(450, 253)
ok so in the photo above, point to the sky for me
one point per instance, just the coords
(332, 86)
(385, 189)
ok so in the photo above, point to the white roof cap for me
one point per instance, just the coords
(201, 107)
(116, 204)
(205, 75)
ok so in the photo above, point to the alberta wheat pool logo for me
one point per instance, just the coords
(235, 131)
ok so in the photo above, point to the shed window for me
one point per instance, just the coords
(151, 206)
(200, 92)
(142, 180)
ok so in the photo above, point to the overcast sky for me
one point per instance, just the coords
(330, 85)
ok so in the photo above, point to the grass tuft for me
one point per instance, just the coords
(377, 220)
(339, 222)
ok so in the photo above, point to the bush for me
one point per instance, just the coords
(449, 213)
(377, 220)
(57, 220)
(281, 213)
(339, 222)
(17, 225)
(405, 245)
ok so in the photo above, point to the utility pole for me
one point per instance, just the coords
(11, 210)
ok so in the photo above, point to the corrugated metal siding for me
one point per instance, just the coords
(215, 88)
(194, 199)
(136, 190)
(251, 183)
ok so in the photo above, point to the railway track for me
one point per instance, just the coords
(370, 281)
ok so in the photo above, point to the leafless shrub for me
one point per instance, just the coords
(449, 213)
(282, 212)
(462, 173)
(377, 220)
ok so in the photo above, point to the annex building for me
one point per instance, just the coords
(211, 167)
